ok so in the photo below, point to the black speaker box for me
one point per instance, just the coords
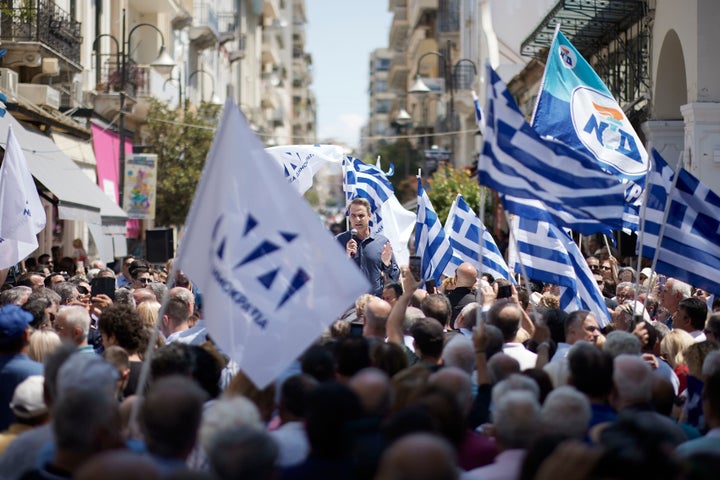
(159, 245)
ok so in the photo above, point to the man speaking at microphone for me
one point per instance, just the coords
(372, 253)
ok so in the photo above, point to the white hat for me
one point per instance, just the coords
(27, 401)
(647, 271)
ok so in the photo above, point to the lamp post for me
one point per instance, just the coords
(202, 90)
(449, 76)
(403, 120)
(163, 61)
(179, 80)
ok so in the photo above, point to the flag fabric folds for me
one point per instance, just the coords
(566, 186)
(576, 108)
(300, 163)
(272, 277)
(431, 243)
(389, 217)
(690, 245)
(22, 215)
(464, 230)
(550, 255)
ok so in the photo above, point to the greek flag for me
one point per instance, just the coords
(389, 218)
(567, 187)
(576, 108)
(431, 243)
(690, 246)
(366, 181)
(464, 229)
(550, 255)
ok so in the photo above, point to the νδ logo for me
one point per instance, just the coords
(567, 57)
(605, 130)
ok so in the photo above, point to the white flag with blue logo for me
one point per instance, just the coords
(550, 255)
(431, 243)
(22, 216)
(576, 108)
(300, 163)
(690, 246)
(389, 217)
(565, 186)
(465, 230)
(271, 275)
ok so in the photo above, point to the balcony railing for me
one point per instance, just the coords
(43, 22)
(137, 82)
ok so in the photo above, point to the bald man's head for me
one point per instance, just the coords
(466, 275)
(419, 456)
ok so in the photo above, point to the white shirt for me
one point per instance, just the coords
(192, 336)
(525, 357)
(292, 442)
(698, 335)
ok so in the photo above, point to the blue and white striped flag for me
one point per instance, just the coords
(690, 247)
(478, 112)
(366, 181)
(550, 255)
(464, 228)
(571, 188)
(576, 108)
(431, 244)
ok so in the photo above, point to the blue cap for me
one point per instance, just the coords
(13, 322)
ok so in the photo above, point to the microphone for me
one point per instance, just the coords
(353, 235)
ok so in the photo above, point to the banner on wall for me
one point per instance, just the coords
(140, 185)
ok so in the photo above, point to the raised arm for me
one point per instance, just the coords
(394, 328)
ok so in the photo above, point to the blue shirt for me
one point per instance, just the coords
(13, 370)
(368, 259)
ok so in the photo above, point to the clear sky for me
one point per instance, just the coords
(340, 35)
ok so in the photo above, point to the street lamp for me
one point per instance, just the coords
(179, 81)
(449, 76)
(402, 120)
(164, 64)
(202, 90)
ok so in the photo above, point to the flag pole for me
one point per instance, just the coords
(479, 297)
(641, 236)
(519, 260)
(345, 192)
(665, 217)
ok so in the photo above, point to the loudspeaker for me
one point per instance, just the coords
(159, 245)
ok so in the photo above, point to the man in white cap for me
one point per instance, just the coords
(29, 409)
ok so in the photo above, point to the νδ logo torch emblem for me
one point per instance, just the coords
(567, 57)
(605, 130)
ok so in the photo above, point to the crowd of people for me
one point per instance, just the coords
(452, 383)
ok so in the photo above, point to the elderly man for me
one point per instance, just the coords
(15, 365)
(375, 317)
(72, 325)
(464, 291)
(372, 253)
(580, 325)
(673, 293)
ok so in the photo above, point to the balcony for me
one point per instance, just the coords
(40, 30)
(399, 28)
(422, 12)
(227, 24)
(397, 76)
(270, 47)
(204, 32)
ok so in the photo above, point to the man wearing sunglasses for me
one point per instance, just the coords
(140, 276)
(124, 279)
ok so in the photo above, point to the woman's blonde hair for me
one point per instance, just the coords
(42, 344)
(673, 346)
(148, 312)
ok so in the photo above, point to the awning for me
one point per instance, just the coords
(78, 197)
(80, 151)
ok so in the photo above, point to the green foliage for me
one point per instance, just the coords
(182, 141)
(447, 182)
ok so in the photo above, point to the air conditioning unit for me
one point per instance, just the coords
(42, 95)
(8, 82)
